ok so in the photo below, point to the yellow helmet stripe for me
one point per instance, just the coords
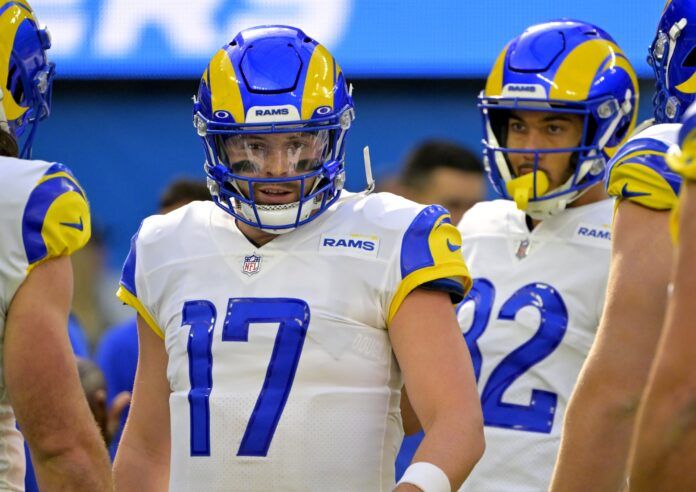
(688, 86)
(224, 87)
(319, 84)
(494, 83)
(574, 77)
(11, 19)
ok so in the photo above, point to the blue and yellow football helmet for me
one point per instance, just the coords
(26, 75)
(672, 55)
(273, 80)
(563, 66)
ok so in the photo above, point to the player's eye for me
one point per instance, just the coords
(555, 129)
(296, 145)
(516, 126)
(255, 146)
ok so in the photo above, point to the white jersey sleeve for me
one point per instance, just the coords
(279, 358)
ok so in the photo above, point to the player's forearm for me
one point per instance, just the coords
(596, 438)
(665, 440)
(82, 467)
(665, 443)
(135, 468)
(453, 442)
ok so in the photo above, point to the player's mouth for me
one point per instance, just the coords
(275, 194)
(526, 169)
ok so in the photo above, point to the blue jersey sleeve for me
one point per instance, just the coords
(639, 173)
(431, 257)
(56, 219)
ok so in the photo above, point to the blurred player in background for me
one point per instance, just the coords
(664, 446)
(601, 415)
(443, 173)
(267, 320)
(117, 353)
(560, 99)
(44, 217)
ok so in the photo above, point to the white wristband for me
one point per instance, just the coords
(427, 477)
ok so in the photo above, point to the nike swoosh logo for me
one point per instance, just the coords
(453, 247)
(75, 225)
(628, 194)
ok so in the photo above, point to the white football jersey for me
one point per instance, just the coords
(43, 214)
(529, 321)
(279, 359)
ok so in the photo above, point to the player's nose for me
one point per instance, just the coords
(276, 165)
(533, 141)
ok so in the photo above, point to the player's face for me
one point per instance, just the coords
(280, 155)
(455, 190)
(539, 130)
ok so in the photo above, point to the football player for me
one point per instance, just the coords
(44, 217)
(602, 412)
(664, 446)
(267, 319)
(559, 100)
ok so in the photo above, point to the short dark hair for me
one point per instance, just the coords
(433, 154)
(183, 190)
(8, 144)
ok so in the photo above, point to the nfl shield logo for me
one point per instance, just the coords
(251, 264)
(522, 249)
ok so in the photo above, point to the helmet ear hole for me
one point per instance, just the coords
(690, 60)
(15, 86)
(499, 122)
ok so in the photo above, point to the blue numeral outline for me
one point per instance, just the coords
(539, 414)
(292, 316)
(200, 316)
(482, 294)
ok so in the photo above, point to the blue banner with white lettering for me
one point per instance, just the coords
(370, 38)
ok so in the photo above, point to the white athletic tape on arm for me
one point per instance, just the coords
(427, 477)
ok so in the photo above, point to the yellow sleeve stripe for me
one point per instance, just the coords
(128, 298)
(637, 153)
(60, 174)
(643, 185)
(454, 269)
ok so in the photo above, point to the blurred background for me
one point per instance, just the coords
(127, 70)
